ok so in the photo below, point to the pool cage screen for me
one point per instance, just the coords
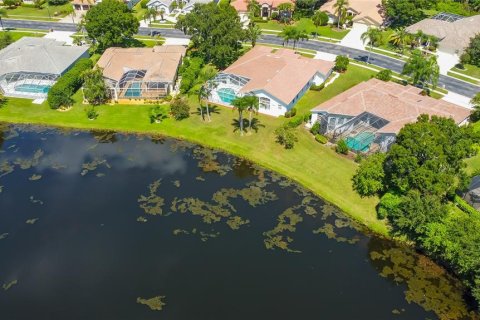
(132, 85)
(361, 133)
(227, 87)
(27, 83)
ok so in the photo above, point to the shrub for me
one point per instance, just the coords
(5, 39)
(294, 122)
(60, 93)
(286, 137)
(341, 63)
(94, 87)
(465, 206)
(389, 203)
(341, 147)
(275, 15)
(384, 75)
(57, 2)
(143, 4)
(291, 113)
(319, 87)
(180, 108)
(92, 114)
(315, 129)
(157, 114)
(321, 138)
(11, 3)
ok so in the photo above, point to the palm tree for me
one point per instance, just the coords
(162, 12)
(317, 21)
(240, 104)
(253, 33)
(340, 10)
(252, 107)
(400, 38)
(285, 11)
(207, 74)
(422, 69)
(299, 35)
(153, 13)
(253, 8)
(372, 36)
(287, 34)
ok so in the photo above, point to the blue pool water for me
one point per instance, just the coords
(226, 94)
(134, 90)
(32, 88)
(361, 142)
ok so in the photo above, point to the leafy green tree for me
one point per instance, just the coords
(253, 8)
(369, 180)
(372, 36)
(340, 7)
(389, 203)
(341, 63)
(406, 12)
(110, 23)
(180, 109)
(472, 53)
(306, 8)
(94, 87)
(11, 3)
(285, 10)
(253, 33)
(319, 19)
(475, 102)
(422, 69)
(286, 137)
(216, 33)
(400, 38)
(241, 105)
(384, 75)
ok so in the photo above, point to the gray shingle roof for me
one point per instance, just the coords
(38, 55)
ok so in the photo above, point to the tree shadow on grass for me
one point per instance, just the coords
(211, 109)
(256, 124)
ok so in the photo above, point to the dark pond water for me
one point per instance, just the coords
(111, 226)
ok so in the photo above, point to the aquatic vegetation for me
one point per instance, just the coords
(200, 178)
(207, 161)
(58, 166)
(142, 219)
(99, 175)
(328, 210)
(236, 222)
(6, 168)
(3, 236)
(176, 183)
(35, 177)
(33, 200)
(177, 232)
(287, 222)
(1, 189)
(152, 203)
(428, 285)
(7, 286)
(329, 231)
(252, 194)
(32, 221)
(93, 165)
(155, 303)
(29, 163)
(210, 213)
(204, 236)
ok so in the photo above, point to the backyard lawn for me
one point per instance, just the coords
(16, 35)
(45, 12)
(315, 166)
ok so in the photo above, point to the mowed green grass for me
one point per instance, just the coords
(45, 11)
(16, 35)
(307, 25)
(315, 166)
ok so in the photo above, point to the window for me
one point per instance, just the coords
(264, 103)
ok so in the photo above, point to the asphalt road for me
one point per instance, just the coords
(449, 83)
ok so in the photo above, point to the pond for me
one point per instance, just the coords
(99, 225)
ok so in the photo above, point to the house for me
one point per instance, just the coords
(267, 7)
(30, 66)
(472, 196)
(141, 73)
(369, 115)
(82, 6)
(168, 6)
(278, 77)
(368, 12)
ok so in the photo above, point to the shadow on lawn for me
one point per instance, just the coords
(255, 125)
(202, 111)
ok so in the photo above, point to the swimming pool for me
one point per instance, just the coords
(134, 90)
(361, 142)
(226, 94)
(32, 88)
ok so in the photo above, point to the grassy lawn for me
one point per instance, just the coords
(315, 166)
(469, 70)
(44, 12)
(307, 25)
(16, 35)
(138, 11)
(463, 78)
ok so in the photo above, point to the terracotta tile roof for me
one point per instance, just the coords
(366, 9)
(453, 35)
(282, 73)
(241, 5)
(391, 101)
(84, 2)
(161, 62)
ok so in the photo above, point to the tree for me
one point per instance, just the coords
(400, 38)
(341, 63)
(207, 74)
(109, 23)
(373, 36)
(472, 53)
(252, 107)
(94, 87)
(405, 12)
(253, 33)
(11, 3)
(286, 137)
(340, 10)
(216, 33)
(341, 147)
(422, 69)
(384, 75)
(253, 8)
(287, 34)
(180, 108)
(369, 180)
(285, 11)
(475, 102)
(241, 105)
(319, 19)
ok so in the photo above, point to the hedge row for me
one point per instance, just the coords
(465, 206)
(60, 93)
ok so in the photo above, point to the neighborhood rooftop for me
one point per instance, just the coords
(391, 101)
(454, 35)
(39, 55)
(241, 5)
(280, 72)
(159, 63)
(367, 11)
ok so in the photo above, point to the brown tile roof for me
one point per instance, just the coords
(370, 10)
(84, 2)
(241, 5)
(280, 72)
(161, 62)
(453, 35)
(391, 101)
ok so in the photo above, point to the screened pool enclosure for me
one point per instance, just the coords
(227, 87)
(132, 85)
(29, 84)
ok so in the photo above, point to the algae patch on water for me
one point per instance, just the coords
(8, 285)
(93, 165)
(152, 203)
(32, 221)
(155, 303)
(28, 163)
(286, 223)
(35, 177)
(3, 236)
